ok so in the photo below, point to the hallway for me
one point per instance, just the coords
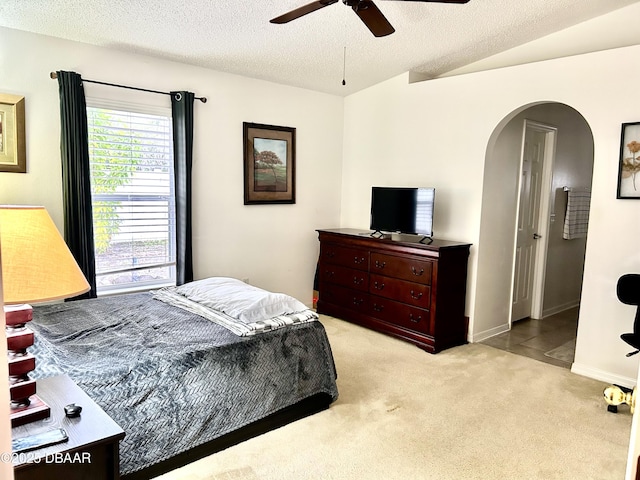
(551, 340)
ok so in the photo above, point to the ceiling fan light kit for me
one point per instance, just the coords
(368, 12)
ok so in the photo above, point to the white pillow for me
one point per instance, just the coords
(239, 300)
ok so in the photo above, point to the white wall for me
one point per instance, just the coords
(437, 132)
(275, 246)
(634, 443)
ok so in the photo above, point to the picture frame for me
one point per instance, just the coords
(269, 164)
(629, 163)
(13, 157)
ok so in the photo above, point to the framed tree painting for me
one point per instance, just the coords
(13, 156)
(269, 164)
(629, 166)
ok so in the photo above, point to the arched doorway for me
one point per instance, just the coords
(564, 259)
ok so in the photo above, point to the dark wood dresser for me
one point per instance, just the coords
(411, 290)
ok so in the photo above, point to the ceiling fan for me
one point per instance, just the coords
(365, 9)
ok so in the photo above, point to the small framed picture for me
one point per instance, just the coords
(269, 164)
(13, 157)
(629, 166)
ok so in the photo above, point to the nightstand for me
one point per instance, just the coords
(92, 451)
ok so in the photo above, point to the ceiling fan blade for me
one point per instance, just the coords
(373, 18)
(435, 1)
(299, 12)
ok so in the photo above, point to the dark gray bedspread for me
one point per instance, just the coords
(171, 379)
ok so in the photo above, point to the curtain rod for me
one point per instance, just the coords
(54, 75)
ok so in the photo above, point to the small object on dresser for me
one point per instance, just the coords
(72, 410)
(39, 440)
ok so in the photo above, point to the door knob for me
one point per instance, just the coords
(536, 236)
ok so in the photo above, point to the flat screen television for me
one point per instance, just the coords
(402, 210)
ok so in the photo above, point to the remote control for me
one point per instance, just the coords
(39, 440)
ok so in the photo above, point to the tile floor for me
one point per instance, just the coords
(539, 339)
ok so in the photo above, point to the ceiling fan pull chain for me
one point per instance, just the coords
(344, 66)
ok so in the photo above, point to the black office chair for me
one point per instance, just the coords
(629, 293)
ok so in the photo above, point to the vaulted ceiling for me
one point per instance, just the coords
(315, 51)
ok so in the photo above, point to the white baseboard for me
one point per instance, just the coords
(603, 376)
(560, 308)
(492, 332)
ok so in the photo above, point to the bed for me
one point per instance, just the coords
(182, 385)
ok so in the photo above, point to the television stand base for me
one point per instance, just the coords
(379, 234)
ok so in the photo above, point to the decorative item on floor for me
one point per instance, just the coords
(616, 395)
(37, 266)
(629, 166)
(628, 291)
(12, 139)
(269, 164)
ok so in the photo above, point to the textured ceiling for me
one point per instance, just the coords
(236, 36)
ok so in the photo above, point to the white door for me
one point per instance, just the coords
(538, 149)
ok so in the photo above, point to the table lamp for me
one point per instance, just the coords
(37, 266)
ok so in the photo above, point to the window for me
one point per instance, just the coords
(132, 189)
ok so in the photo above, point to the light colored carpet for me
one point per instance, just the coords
(471, 412)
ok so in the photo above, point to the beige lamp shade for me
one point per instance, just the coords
(37, 265)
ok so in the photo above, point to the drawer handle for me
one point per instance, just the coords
(357, 301)
(331, 254)
(414, 319)
(378, 286)
(329, 273)
(378, 308)
(416, 272)
(358, 260)
(415, 296)
(380, 264)
(358, 281)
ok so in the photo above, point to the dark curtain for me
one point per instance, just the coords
(182, 112)
(76, 180)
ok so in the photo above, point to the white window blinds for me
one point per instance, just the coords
(132, 189)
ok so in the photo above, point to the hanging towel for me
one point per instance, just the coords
(576, 218)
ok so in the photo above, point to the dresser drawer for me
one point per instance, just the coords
(405, 268)
(415, 294)
(345, 297)
(346, 256)
(347, 277)
(401, 314)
